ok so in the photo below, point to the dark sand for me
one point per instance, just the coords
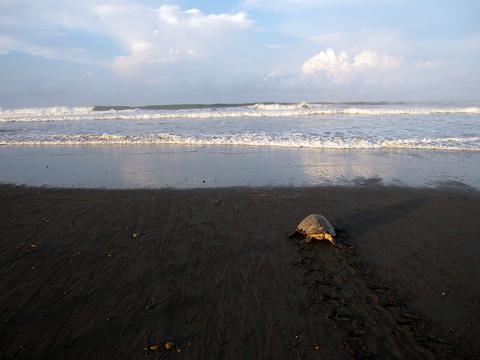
(215, 272)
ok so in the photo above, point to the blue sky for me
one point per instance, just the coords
(75, 53)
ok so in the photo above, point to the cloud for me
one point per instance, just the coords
(426, 64)
(372, 59)
(6, 44)
(167, 34)
(381, 39)
(340, 69)
(174, 53)
(136, 36)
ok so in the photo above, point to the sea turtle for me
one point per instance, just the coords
(316, 226)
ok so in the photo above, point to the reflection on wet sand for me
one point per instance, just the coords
(157, 166)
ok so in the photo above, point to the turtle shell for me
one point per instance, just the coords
(315, 224)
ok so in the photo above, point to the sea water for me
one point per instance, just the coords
(263, 144)
(373, 125)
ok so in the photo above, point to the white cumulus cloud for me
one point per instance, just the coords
(372, 59)
(328, 62)
(339, 68)
(166, 34)
(143, 35)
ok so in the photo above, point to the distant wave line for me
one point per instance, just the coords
(256, 110)
(253, 104)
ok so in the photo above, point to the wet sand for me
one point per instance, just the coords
(114, 273)
(194, 167)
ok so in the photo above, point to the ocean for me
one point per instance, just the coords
(453, 126)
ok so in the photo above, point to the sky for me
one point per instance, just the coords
(125, 52)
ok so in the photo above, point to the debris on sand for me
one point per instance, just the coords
(154, 347)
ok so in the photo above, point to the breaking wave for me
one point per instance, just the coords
(289, 141)
(279, 107)
(255, 110)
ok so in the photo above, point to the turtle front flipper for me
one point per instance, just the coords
(331, 239)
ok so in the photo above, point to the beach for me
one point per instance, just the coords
(89, 273)
(157, 160)
(127, 231)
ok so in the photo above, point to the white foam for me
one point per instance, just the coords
(43, 112)
(258, 110)
(291, 141)
(280, 107)
(410, 111)
(335, 126)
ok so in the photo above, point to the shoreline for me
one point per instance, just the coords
(360, 184)
(213, 271)
(189, 166)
